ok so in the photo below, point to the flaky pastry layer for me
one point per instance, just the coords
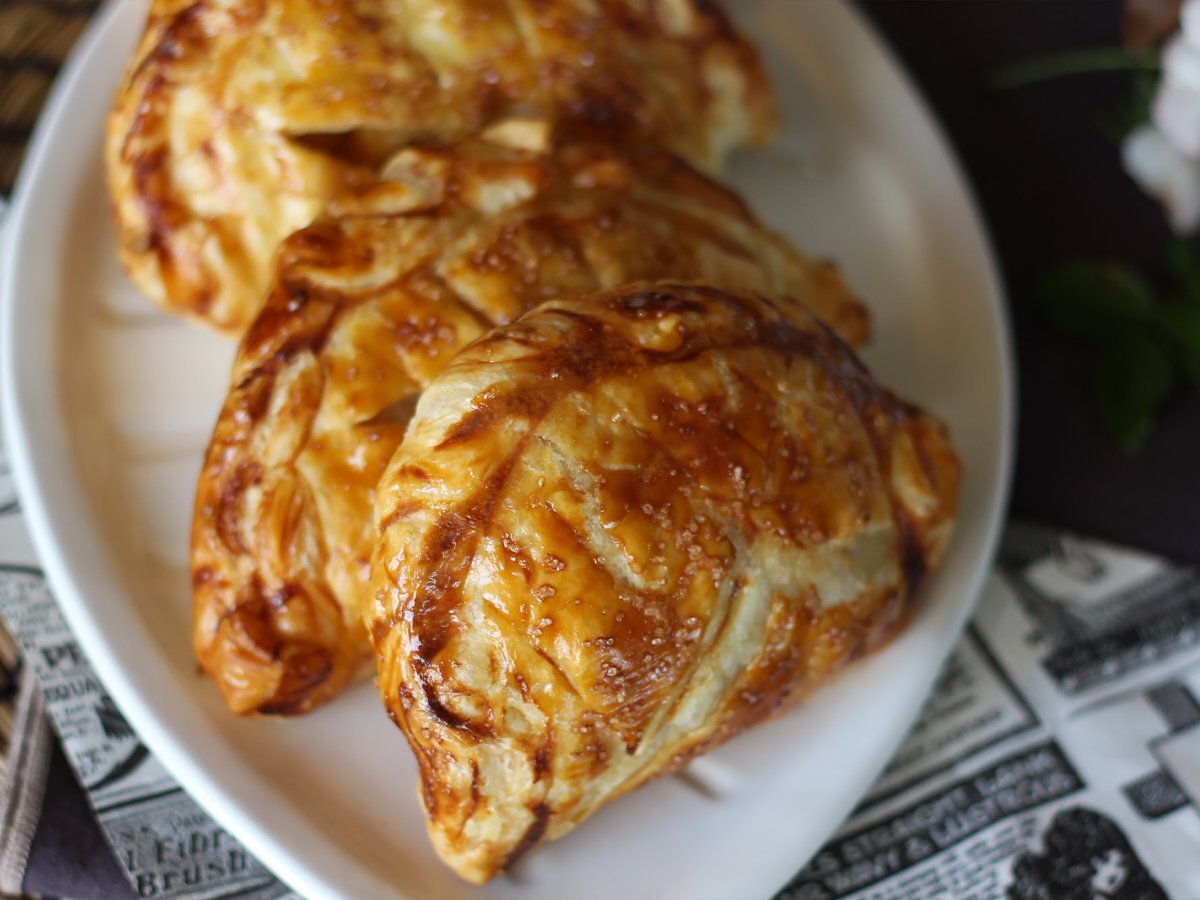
(367, 305)
(622, 530)
(238, 120)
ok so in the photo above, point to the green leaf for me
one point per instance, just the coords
(1082, 61)
(1180, 325)
(1184, 264)
(1133, 378)
(1094, 301)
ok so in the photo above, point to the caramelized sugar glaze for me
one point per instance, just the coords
(624, 528)
(238, 120)
(367, 305)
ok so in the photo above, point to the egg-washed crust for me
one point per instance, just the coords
(625, 528)
(368, 305)
(237, 120)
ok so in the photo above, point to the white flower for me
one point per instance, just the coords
(1189, 20)
(1163, 157)
(1181, 60)
(1162, 171)
(1177, 103)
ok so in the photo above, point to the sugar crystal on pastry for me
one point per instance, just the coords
(623, 529)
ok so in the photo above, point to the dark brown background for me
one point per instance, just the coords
(1051, 186)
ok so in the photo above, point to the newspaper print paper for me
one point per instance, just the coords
(168, 845)
(1059, 756)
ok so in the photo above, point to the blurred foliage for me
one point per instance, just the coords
(1144, 344)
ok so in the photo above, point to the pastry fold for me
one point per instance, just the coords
(238, 120)
(366, 306)
(623, 529)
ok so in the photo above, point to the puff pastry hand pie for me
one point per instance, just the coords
(367, 305)
(625, 528)
(239, 119)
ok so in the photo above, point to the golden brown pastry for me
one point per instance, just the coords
(372, 301)
(239, 119)
(625, 528)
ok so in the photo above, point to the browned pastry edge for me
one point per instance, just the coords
(202, 249)
(277, 569)
(464, 632)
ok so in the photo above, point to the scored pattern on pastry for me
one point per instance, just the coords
(239, 119)
(368, 304)
(625, 528)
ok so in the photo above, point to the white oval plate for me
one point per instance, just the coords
(109, 404)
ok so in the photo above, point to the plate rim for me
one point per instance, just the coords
(67, 583)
